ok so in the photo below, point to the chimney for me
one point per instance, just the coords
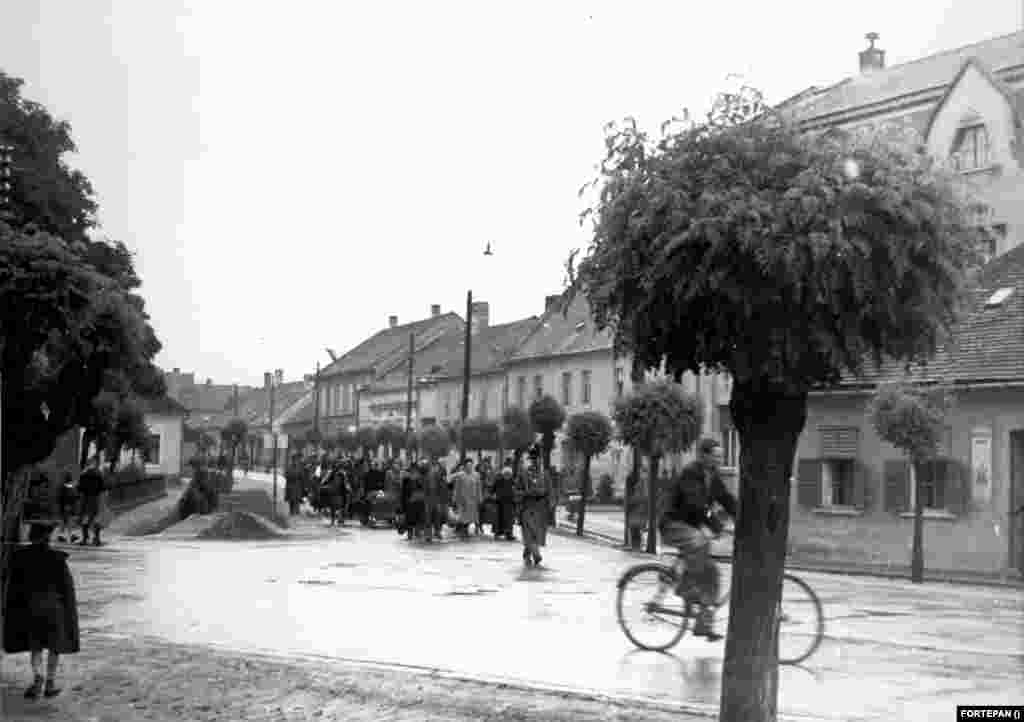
(435, 310)
(209, 381)
(481, 317)
(177, 371)
(551, 301)
(392, 321)
(266, 380)
(872, 59)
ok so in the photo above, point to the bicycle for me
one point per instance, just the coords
(800, 612)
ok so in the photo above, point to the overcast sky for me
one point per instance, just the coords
(291, 174)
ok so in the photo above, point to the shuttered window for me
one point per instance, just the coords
(943, 480)
(839, 442)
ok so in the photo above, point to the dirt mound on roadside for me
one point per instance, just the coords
(240, 525)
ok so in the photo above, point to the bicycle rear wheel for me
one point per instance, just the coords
(801, 621)
(649, 611)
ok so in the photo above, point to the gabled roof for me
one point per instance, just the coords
(564, 332)
(923, 79)
(254, 407)
(1000, 86)
(987, 344)
(385, 346)
(206, 397)
(489, 349)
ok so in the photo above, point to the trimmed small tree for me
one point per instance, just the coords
(516, 433)
(590, 433)
(481, 435)
(368, 440)
(911, 419)
(788, 259)
(547, 417)
(658, 418)
(435, 442)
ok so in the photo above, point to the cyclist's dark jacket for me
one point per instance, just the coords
(690, 496)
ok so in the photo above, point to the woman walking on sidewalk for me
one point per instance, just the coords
(42, 612)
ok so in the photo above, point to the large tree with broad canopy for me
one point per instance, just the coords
(742, 245)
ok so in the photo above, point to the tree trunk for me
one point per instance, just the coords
(652, 506)
(917, 552)
(584, 491)
(769, 422)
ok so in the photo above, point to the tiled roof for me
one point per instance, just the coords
(931, 73)
(254, 407)
(558, 332)
(488, 349)
(987, 344)
(388, 344)
(206, 397)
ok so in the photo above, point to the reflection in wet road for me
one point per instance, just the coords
(892, 648)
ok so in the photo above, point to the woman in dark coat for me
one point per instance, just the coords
(42, 612)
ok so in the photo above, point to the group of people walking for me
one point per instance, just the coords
(426, 498)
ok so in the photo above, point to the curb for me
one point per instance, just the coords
(853, 570)
(704, 711)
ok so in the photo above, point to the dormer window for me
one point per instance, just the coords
(971, 149)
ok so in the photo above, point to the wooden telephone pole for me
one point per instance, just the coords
(408, 399)
(467, 359)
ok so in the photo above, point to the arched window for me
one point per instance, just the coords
(970, 148)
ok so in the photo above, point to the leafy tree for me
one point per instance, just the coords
(85, 331)
(516, 433)
(911, 419)
(740, 244)
(435, 442)
(481, 435)
(367, 439)
(547, 416)
(234, 434)
(129, 432)
(658, 418)
(392, 437)
(590, 433)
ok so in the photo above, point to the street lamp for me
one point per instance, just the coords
(272, 381)
(467, 361)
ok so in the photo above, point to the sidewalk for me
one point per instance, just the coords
(124, 680)
(609, 532)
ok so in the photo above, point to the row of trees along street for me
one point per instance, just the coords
(76, 345)
(789, 260)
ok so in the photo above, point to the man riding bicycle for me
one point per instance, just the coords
(687, 513)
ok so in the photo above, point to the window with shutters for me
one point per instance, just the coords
(839, 442)
(567, 388)
(935, 477)
(837, 482)
(585, 387)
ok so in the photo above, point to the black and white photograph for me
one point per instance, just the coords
(461, 361)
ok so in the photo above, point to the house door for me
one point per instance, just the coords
(1016, 520)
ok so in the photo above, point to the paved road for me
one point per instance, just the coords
(893, 650)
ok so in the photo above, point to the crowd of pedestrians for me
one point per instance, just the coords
(424, 499)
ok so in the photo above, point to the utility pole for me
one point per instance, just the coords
(408, 399)
(465, 374)
(316, 400)
(273, 380)
(236, 400)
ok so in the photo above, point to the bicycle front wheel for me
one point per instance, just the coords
(801, 621)
(650, 612)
